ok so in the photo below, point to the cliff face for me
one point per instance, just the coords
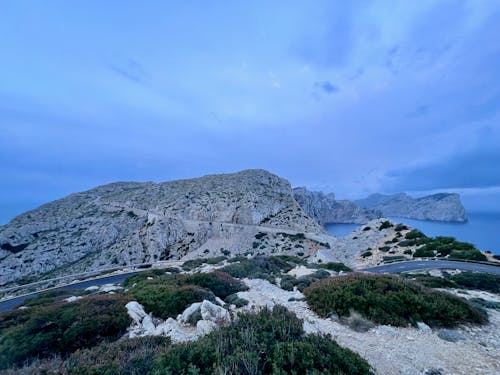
(325, 209)
(441, 207)
(129, 223)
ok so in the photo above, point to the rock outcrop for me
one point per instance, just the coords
(131, 223)
(325, 209)
(440, 207)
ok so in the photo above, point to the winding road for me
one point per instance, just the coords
(398, 267)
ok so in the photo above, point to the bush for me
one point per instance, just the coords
(269, 342)
(366, 254)
(400, 227)
(389, 300)
(384, 248)
(333, 266)
(477, 280)
(386, 224)
(258, 268)
(289, 282)
(220, 283)
(190, 265)
(169, 295)
(414, 234)
(130, 356)
(60, 328)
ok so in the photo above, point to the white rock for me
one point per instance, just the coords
(136, 312)
(92, 288)
(204, 327)
(72, 299)
(185, 316)
(214, 313)
(106, 288)
(148, 325)
(424, 327)
(301, 271)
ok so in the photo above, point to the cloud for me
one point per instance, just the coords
(474, 169)
(326, 87)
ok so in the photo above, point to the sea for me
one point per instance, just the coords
(481, 229)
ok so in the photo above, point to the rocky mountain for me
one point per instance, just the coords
(441, 207)
(325, 209)
(123, 223)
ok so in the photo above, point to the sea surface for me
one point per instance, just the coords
(482, 229)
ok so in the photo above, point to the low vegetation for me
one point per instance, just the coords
(271, 342)
(463, 280)
(60, 328)
(169, 295)
(289, 282)
(259, 268)
(389, 300)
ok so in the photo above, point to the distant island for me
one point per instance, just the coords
(325, 209)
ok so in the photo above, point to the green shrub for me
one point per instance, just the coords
(194, 263)
(220, 283)
(400, 227)
(386, 224)
(393, 258)
(169, 295)
(389, 300)
(334, 266)
(407, 252)
(477, 280)
(269, 342)
(366, 254)
(365, 229)
(423, 252)
(60, 328)
(414, 234)
(384, 248)
(258, 268)
(233, 299)
(497, 257)
(431, 281)
(289, 282)
(129, 356)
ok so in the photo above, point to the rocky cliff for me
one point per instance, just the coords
(123, 223)
(441, 207)
(325, 209)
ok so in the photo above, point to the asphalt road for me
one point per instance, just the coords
(433, 264)
(387, 268)
(12, 303)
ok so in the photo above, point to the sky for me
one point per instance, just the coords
(348, 97)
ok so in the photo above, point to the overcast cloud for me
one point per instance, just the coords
(352, 97)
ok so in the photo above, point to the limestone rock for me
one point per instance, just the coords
(441, 207)
(204, 327)
(325, 209)
(214, 313)
(127, 223)
(423, 327)
(135, 311)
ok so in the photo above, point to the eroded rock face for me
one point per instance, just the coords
(441, 207)
(129, 223)
(325, 209)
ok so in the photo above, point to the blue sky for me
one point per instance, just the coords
(352, 97)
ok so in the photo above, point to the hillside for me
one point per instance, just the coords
(123, 223)
(440, 207)
(325, 209)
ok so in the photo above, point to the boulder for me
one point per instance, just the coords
(136, 312)
(214, 313)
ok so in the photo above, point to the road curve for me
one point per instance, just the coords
(415, 265)
(387, 268)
